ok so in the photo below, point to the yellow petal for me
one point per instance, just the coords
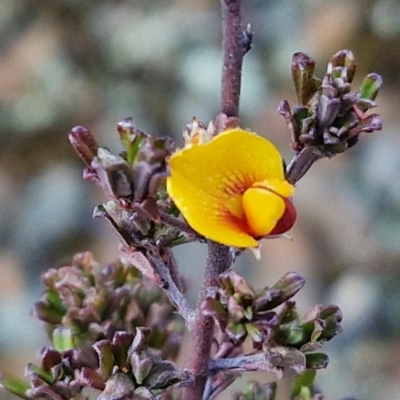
(281, 187)
(263, 210)
(207, 182)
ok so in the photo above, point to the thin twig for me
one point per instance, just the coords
(252, 362)
(169, 286)
(179, 224)
(301, 163)
(172, 265)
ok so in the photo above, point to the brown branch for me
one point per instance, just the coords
(172, 265)
(219, 257)
(168, 283)
(179, 224)
(252, 362)
(232, 43)
(301, 163)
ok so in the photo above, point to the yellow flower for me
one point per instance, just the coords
(232, 189)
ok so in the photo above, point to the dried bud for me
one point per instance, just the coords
(118, 387)
(131, 138)
(86, 303)
(303, 68)
(282, 291)
(329, 118)
(135, 180)
(84, 144)
(115, 175)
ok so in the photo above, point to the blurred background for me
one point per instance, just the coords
(92, 63)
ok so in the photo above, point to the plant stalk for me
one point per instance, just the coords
(219, 257)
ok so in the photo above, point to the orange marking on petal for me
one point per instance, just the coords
(209, 181)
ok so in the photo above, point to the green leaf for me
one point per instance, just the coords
(104, 351)
(141, 366)
(303, 68)
(345, 59)
(370, 86)
(317, 360)
(295, 334)
(305, 380)
(14, 385)
(255, 391)
(236, 331)
(131, 139)
(255, 332)
(54, 298)
(33, 369)
(63, 339)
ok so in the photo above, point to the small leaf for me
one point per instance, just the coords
(88, 377)
(327, 111)
(47, 313)
(164, 375)
(84, 144)
(370, 86)
(34, 370)
(331, 315)
(255, 391)
(282, 291)
(303, 68)
(131, 139)
(50, 358)
(235, 311)
(120, 344)
(306, 379)
(63, 339)
(317, 360)
(369, 124)
(236, 331)
(142, 393)
(239, 284)
(290, 284)
(15, 385)
(345, 58)
(286, 357)
(138, 343)
(114, 173)
(215, 309)
(248, 313)
(255, 332)
(141, 366)
(119, 386)
(140, 261)
(106, 357)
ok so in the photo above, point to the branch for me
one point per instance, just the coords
(219, 257)
(301, 163)
(252, 362)
(179, 224)
(168, 284)
(232, 43)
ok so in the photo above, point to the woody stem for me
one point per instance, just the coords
(219, 257)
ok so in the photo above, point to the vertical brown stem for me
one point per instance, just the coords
(233, 56)
(219, 258)
(218, 261)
